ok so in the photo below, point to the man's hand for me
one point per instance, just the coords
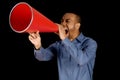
(35, 39)
(63, 32)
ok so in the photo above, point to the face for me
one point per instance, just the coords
(69, 22)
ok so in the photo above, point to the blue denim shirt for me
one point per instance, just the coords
(75, 58)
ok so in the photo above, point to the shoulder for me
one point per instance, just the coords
(90, 41)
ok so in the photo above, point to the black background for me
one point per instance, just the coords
(17, 59)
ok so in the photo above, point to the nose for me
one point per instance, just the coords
(64, 25)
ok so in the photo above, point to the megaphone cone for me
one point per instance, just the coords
(24, 18)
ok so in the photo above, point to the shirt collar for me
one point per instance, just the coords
(80, 37)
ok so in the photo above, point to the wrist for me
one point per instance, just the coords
(37, 47)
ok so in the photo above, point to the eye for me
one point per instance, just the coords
(67, 21)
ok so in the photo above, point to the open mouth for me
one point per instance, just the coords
(66, 31)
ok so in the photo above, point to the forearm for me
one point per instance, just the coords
(43, 54)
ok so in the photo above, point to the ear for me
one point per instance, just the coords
(78, 25)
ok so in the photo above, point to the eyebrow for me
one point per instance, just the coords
(65, 20)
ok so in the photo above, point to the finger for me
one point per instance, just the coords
(30, 37)
(37, 33)
(56, 33)
(33, 35)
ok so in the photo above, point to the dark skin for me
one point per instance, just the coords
(69, 28)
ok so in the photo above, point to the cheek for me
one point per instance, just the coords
(71, 26)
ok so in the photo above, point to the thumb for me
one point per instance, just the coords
(56, 33)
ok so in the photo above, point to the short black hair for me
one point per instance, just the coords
(77, 13)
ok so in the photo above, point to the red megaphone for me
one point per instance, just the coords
(24, 18)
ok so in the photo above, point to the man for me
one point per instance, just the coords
(75, 52)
